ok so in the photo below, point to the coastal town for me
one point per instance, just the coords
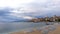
(47, 19)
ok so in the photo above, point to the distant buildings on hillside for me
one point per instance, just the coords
(47, 19)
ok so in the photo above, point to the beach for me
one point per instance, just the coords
(11, 27)
(56, 31)
(24, 32)
(49, 29)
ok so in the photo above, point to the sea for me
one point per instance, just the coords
(6, 27)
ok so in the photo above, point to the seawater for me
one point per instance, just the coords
(7, 27)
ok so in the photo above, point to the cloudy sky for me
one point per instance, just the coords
(11, 10)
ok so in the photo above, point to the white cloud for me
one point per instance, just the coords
(13, 3)
(37, 7)
(27, 17)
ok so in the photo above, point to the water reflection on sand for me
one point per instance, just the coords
(18, 26)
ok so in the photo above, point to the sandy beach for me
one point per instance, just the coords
(49, 29)
(24, 32)
(56, 31)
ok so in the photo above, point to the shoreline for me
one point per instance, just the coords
(43, 30)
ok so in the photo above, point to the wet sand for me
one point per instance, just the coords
(24, 32)
(56, 31)
(42, 30)
(49, 29)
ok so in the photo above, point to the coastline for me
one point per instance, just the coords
(43, 30)
(57, 31)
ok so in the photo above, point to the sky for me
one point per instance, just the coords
(12, 10)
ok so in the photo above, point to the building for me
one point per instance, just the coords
(55, 18)
(47, 18)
